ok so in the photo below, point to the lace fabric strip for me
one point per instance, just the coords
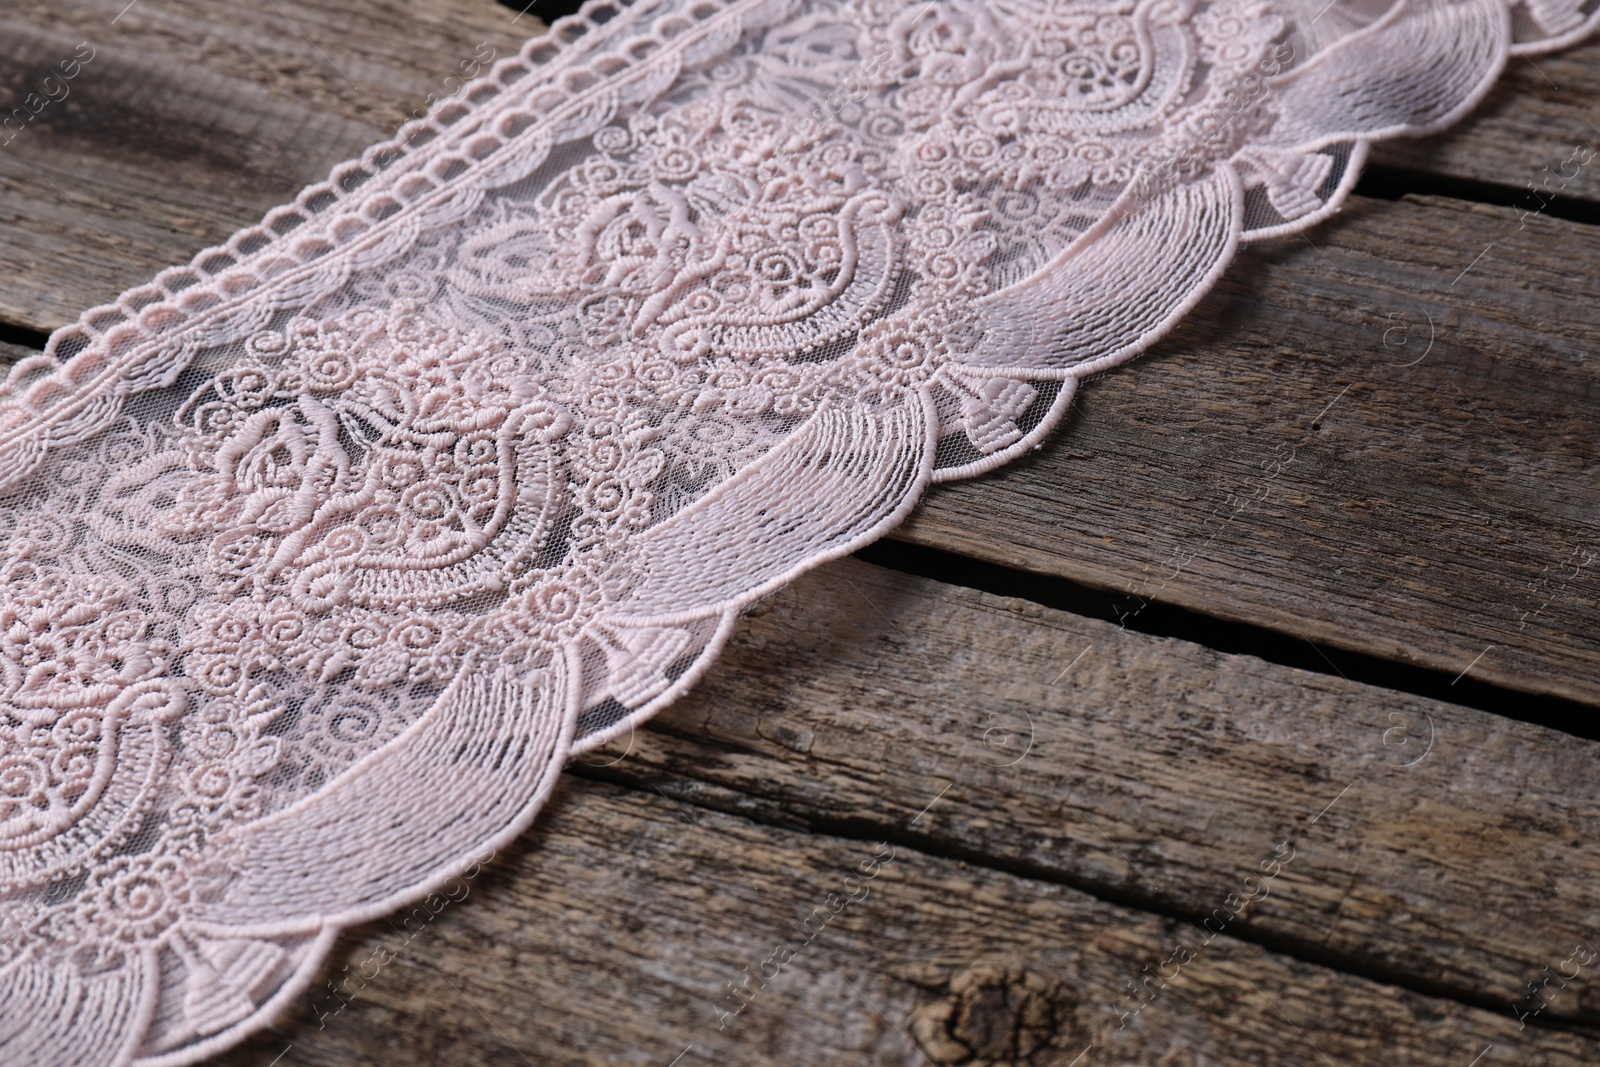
(325, 551)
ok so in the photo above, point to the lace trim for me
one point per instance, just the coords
(469, 459)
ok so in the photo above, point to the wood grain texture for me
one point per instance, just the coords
(1152, 772)
(601, 940)
(1297, 456)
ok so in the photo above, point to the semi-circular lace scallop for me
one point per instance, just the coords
(325, 551)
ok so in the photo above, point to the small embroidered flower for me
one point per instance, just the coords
(41, 536)
(136, 899)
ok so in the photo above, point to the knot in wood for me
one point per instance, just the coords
(998, 1016)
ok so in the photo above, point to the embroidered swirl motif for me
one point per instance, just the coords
(325, 551)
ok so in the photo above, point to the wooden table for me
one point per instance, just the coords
(1311, 591)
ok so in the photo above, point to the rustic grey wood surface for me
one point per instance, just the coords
(1145, 769)
(605, 939)
(1067, 798)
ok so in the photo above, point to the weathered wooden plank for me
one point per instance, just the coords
(1540, 115)
(1442, 848)
(611, 933)
(1297, 456)
(188, 122)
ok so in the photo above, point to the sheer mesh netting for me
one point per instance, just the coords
(324, 552)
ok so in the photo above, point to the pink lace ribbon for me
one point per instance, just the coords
(325, 551)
